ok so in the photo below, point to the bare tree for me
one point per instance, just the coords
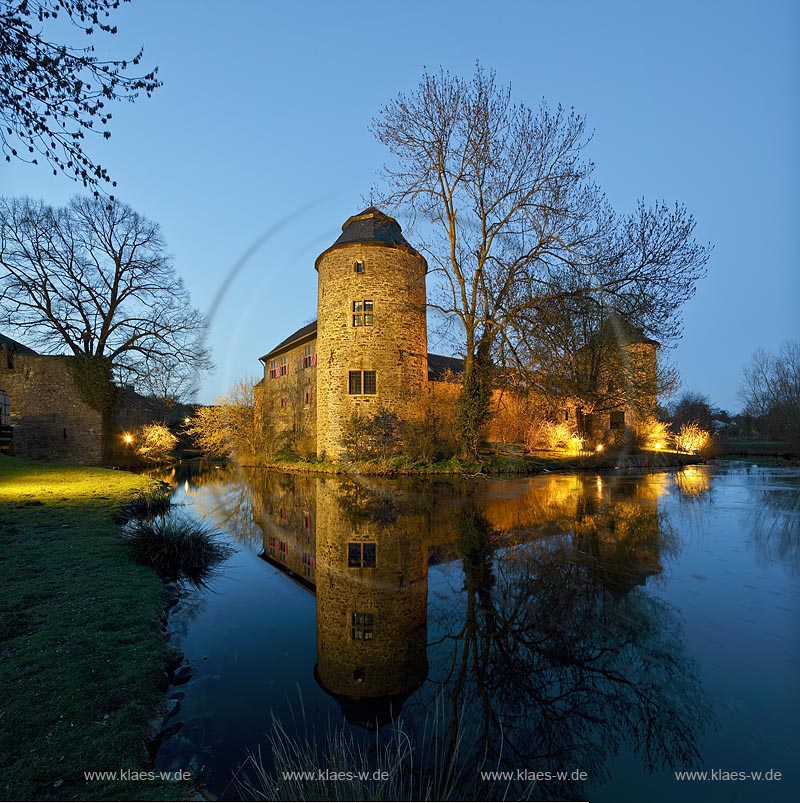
(53, 94)
(693, 407)
(231, 428)
(770, 390)
(512, 223)
(93, 278)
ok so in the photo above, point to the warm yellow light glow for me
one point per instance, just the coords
(128, 438)
(658, 445)
(599, 447)
(691, 439)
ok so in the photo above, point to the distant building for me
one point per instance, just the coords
(368, 348)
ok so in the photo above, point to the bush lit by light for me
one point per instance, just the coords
(544, 434)
(691, 439)
(155, 443)
(652, 434)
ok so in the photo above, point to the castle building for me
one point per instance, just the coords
(368, 349)
(44, 415)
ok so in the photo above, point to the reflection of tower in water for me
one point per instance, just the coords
(372, 588)
(363, 548)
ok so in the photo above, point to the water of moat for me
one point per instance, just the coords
(624, 625)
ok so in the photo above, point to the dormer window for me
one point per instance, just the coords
(363, 313)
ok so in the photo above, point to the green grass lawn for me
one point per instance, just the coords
(81, 655)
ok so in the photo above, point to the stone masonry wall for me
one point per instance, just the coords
(395, 347)
(289, 401)
(50, 420)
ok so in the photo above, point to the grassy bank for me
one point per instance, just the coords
(81, 656)
(505, 461)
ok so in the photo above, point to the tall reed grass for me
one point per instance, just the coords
(387, 764)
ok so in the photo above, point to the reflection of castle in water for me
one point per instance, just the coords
(363, 548)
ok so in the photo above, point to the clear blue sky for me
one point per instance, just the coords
(262, 124)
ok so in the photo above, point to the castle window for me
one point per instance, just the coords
(309, 395)
(309, 358)
(284, 366)
(284, 402)
(358, 266)
(362, 383)
(363, 313)
(363, 626)
(277, 548)
(361, 554)
(307, 564)
(273, 369)
(354, 386)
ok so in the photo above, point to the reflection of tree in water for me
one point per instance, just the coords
(693, 483)
(225, 499)
(551, 656)
(363, 501)
(556, 663)
(190, 606)
(775, 512)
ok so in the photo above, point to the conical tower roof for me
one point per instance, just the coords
(371, 227)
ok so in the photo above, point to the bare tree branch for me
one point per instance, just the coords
(53, 94)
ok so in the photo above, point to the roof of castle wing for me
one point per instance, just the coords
(14, 345)
(372, 227)
(303, 334)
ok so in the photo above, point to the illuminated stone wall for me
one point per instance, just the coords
(50, 420)
(287, 403)
(395, 346)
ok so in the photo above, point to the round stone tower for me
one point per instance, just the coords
(372, 344)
